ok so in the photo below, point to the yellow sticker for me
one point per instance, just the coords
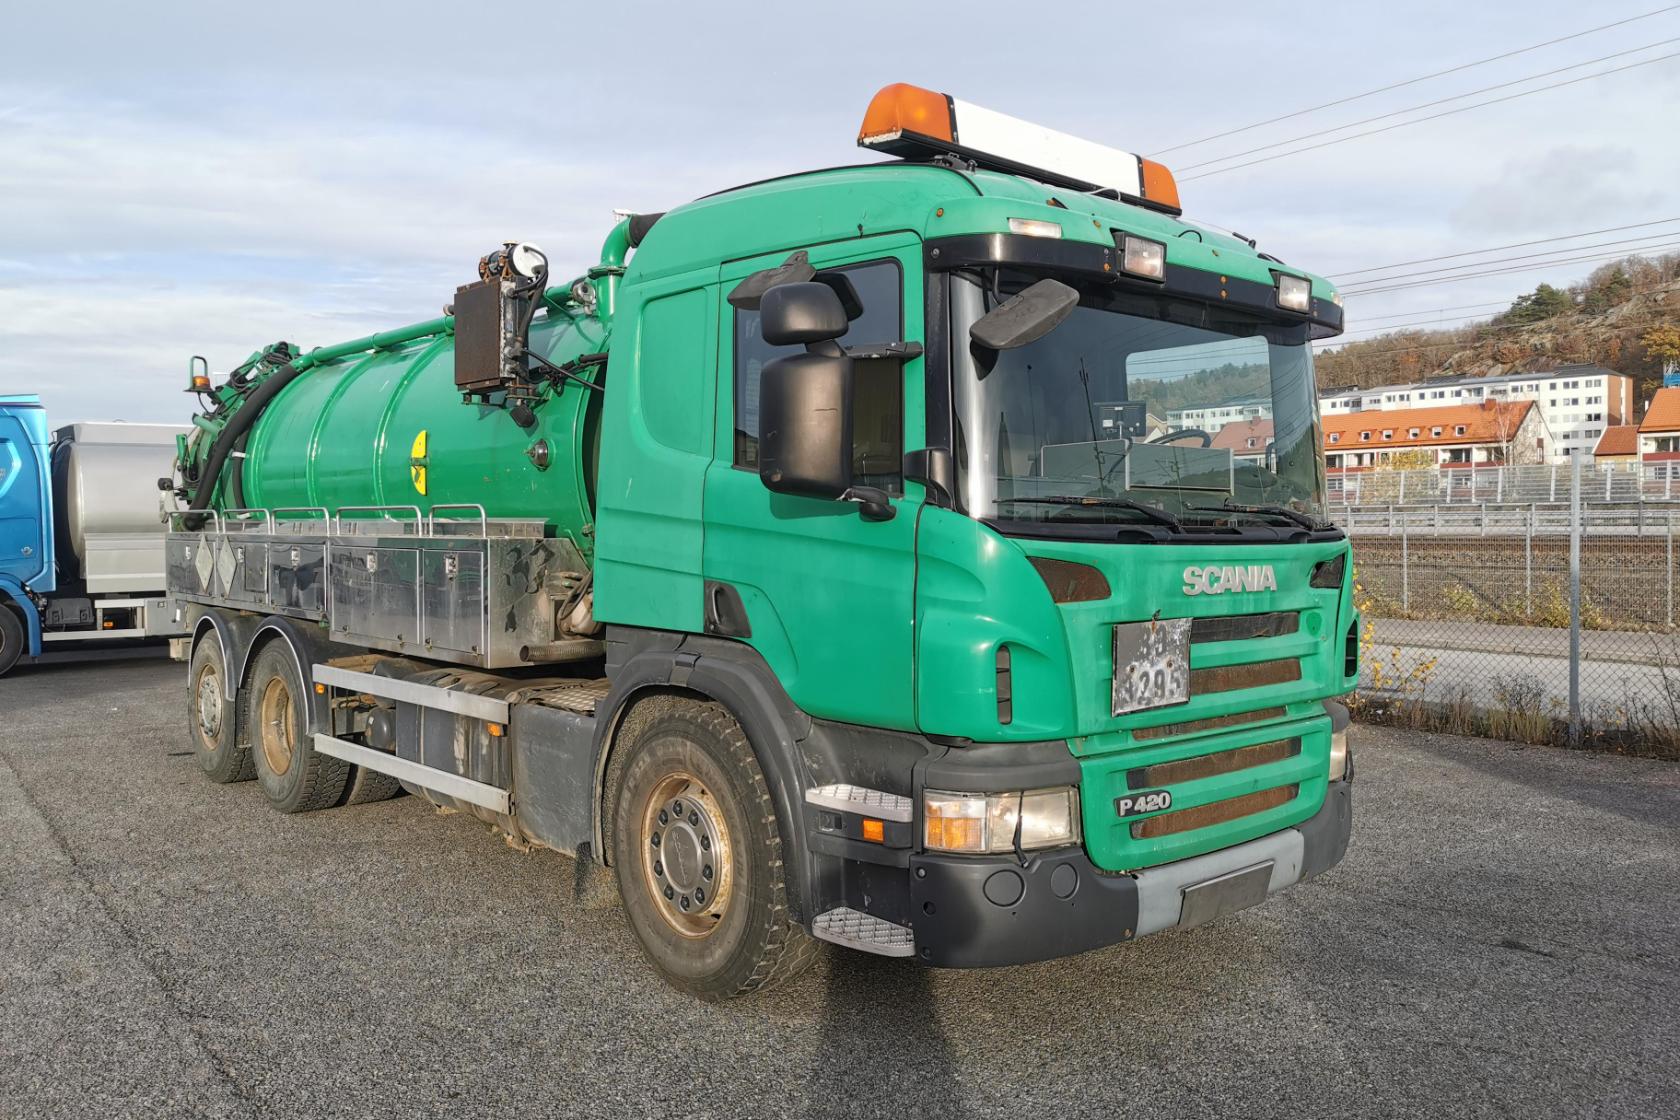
(417, 463)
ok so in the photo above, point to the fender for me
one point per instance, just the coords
(306, 647)
(11, 588)
(241, 634)
(233, 633)
(734, 675)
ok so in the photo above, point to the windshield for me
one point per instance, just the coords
(1134, 400)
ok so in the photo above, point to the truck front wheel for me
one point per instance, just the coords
(699, 853)
(295, 777)
(211, 715)
(13, 639)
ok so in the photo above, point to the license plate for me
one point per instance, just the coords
(1227, 894)
(1151, 664)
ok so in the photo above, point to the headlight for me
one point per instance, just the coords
(1140, 256)
(1294, 293)
(985, 822)
(1338, 754)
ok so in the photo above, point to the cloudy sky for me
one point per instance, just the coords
(181, 179)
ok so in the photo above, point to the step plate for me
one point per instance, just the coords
(857, 930)
(863, 801)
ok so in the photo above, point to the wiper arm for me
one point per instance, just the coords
(1153, 513)
(1306, 521)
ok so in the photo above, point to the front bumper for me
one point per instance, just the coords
(976, 912)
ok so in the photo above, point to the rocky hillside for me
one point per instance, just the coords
(1625, 317)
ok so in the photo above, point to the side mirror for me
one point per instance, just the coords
(805, 425)
(801, 313)
(1025, 317)
(805, 400)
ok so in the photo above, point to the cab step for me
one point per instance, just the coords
(857, 930)
(861, 800)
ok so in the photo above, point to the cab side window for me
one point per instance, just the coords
(877, 387)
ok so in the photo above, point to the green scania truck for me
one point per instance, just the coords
(866, 555)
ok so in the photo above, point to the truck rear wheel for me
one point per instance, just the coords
(13, 640)
(295, 777)
(212, 717)
(698, 853)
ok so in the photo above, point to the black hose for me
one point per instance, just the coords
(237, 426)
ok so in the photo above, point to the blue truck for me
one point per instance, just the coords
(81, 542)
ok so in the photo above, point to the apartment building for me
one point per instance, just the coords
(1214, 417)
(1490, 433)
(1577, 403)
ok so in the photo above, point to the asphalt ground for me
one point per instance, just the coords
(1500, 941)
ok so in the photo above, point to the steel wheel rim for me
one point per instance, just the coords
(686, 854)
(209, 696)
(277, 726)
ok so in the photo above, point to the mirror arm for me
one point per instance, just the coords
(873, 504)
(934, 468)
(903, 351)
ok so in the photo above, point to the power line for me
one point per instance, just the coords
(1497, 248)
(1443, 310)
(1432, 117)
(1449, 345)
(1430, 104)
(1423, 78)
(1504, 271)
(1353, 289)
(1422, 324)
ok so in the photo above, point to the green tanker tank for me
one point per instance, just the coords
(377, 425)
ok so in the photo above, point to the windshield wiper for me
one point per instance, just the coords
(1153, 513)
(1306, 521)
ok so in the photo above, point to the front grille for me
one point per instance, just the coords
(1169, 824)
(1236, 628)
(1230, 678)
(1212, 723)
(1210, 765)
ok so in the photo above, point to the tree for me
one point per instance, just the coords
(1663, 344)
(1606, 288)
(1543, 302)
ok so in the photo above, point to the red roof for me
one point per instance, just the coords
(1619, 439)
(1235, 436)
(1488, 422)
(1664, 413)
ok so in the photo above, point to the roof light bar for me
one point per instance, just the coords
(908, 121)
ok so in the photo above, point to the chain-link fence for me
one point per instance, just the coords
(1537, 621)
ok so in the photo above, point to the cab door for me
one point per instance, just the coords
(25, 516)
(825, 596)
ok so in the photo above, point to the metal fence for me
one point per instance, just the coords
(1600, 482)
(1532, 620)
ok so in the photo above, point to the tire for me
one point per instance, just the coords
(14, 639)
(293, 775)
(689, 793)
(366, 786)
(213, 718)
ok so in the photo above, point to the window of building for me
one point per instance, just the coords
(1335, 437)
(1458, 429)
(1388, 433)
(1413, 434)
(877, 386)
(1364, 437)
(1435, 431)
